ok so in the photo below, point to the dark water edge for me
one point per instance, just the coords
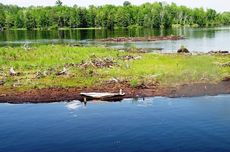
(155, 124)
(82, 34)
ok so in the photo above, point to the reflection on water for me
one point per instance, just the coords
(73, 105)
(159, 124)
(23, 35)
(76, 104)
(198, 39)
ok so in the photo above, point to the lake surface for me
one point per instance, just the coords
(156, 124)
(198, 39)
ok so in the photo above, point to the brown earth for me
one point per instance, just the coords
(136, 39)
(67, 94)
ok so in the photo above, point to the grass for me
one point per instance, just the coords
(167, 69)
(174, 69)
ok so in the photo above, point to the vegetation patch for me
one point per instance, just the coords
(43, 66)
(148, 15)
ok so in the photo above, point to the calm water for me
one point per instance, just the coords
(198, 39)
(156, 124)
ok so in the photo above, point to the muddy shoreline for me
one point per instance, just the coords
(66, 94)
(138, 39)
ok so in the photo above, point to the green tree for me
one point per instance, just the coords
(19, 22)
(59, 3)
(151, 15)
(10, 20)
(74, 18)
(126, 3)
(122, 17)
(83, 17)
(30, 22)
(2, 18)
(225, 18)
(211, 17)
(105, 17)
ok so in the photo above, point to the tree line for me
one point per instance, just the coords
(149, 15)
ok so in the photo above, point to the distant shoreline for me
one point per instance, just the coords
(50, 29)
(150, 15)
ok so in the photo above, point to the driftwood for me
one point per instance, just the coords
(106, 62)
(63, 72)
(26, 47)
(16, 84)
(13, 72)
(40, 74)
(98, 63)
(137, 39)
(218, 52)
(113, 80)
(226, 64)
(142, 50)
(2, 82)
(116, 80)
(130, 57)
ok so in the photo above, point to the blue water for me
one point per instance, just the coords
(197, 39)
(156, 124)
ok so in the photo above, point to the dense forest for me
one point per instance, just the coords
(150, 15)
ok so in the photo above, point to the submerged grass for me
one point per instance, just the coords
(167, 69)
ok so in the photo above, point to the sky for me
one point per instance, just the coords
(219, 5)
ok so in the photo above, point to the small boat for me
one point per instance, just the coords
(103, 96)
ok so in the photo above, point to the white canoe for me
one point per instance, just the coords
(101, 95)
(96, 95)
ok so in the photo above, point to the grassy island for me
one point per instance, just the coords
(38, 67)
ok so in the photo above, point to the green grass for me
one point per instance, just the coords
(174, 69)
(167, 69)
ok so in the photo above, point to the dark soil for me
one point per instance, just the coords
(64, 94)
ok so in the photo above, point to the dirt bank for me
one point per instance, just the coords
(136, 39)
(60, 94)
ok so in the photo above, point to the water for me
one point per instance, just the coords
(198, 39)
(156, 124)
